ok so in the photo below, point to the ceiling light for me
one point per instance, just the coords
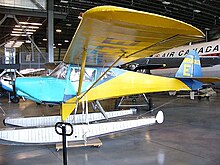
(30, 30)
(17, 29)
(27, 30)
(63, 1)
(44, 39)
(166, 2)
(59, 44)
(17, 32)
(68, 24)
(14, 44)
(15, 35)
(30, 23)
(32, 27)
(66, 40)
(54, 47)
(28, 41)
(196, 11)
(58, 30)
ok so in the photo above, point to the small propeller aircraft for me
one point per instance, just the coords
(108, 36)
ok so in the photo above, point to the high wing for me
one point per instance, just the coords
(107, 32)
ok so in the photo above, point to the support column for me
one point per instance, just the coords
(50, 16)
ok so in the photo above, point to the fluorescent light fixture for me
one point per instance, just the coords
(66, 40)
(30, 23)
(44, 39)
(28, 41)
(14, 44)
(166, 2)
(54, 47)
(196, 11)
(63, 1)
(59, 44)
(17, 32)
(32, 27)
(27, 30)
(68, 24)
(58, 30)
(16, 35)
(17, 29)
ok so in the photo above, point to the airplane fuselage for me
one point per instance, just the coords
(61, 84)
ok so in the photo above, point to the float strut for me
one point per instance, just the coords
(64, 133)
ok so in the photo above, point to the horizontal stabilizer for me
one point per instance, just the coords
(206, 79)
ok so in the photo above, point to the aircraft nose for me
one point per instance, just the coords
(27, 86)
(41, 89)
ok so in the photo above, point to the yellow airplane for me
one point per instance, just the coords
(108, 36)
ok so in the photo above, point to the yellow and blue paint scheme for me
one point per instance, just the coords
(190, 68)
(106, 35)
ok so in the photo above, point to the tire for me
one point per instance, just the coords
(14, 99)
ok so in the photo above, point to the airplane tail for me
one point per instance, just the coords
(190, 71)
(190, 66)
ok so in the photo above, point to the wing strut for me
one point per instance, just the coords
(82, 72)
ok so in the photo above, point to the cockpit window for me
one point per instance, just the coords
(110, 74)
(60, 71)
(89, 75)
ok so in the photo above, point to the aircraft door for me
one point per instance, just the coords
(88, 80)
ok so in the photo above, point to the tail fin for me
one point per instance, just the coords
(190, 66)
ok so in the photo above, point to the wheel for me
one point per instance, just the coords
(14, 99)
(134, 101)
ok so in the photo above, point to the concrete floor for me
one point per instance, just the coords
(189, 135)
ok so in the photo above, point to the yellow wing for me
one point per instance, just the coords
(106, 32)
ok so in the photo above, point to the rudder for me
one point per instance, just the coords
(190, 67)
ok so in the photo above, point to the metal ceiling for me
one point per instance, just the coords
(204, 14)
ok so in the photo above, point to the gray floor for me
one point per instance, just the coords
(189, 135)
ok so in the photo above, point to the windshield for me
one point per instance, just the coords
(60, 71)
(88, 76)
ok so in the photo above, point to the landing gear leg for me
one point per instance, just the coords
(96, 105)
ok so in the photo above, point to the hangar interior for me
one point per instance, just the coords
(36, 32)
